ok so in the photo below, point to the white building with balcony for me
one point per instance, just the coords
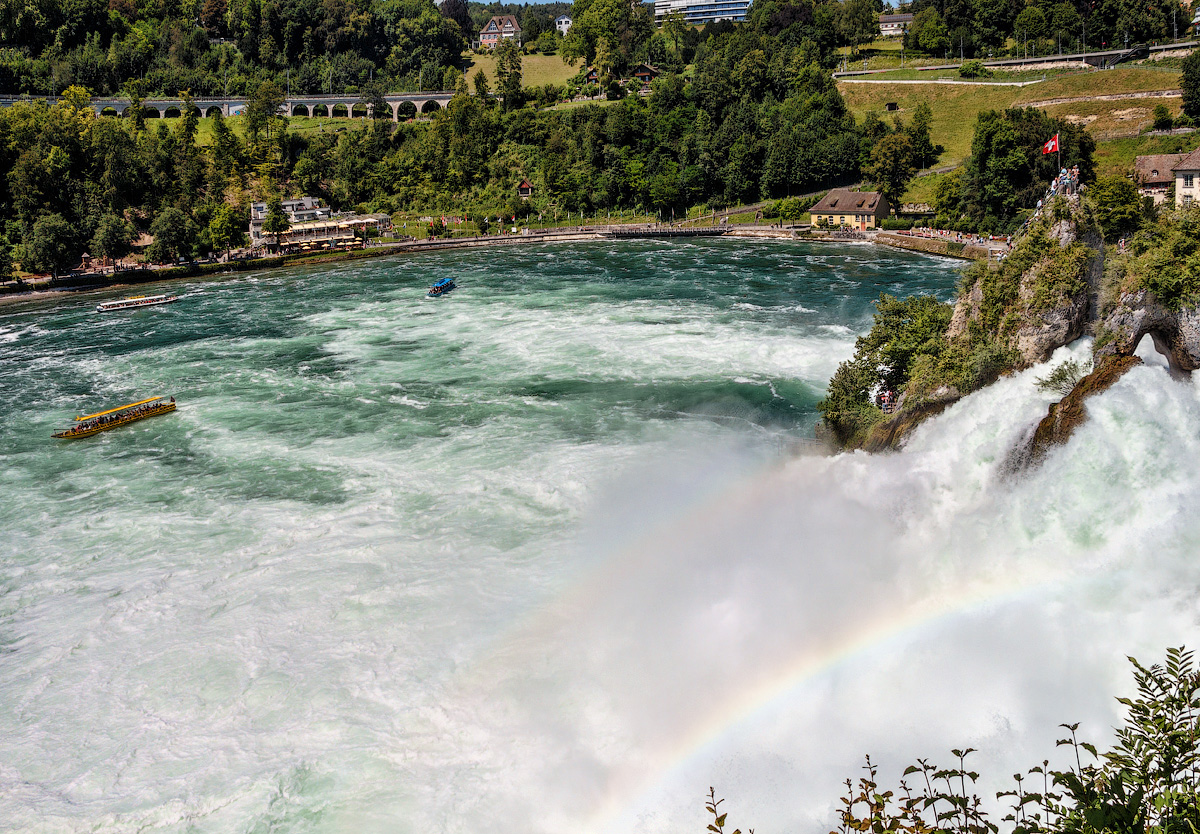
(699, 12)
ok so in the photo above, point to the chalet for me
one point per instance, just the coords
(593, 76)
(645, 73)
(525, 190)
(852, 209)
(498, 28)
(563, 24)
(1154, 175)
(894, 25)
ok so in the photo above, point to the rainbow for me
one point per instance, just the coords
(769, 689)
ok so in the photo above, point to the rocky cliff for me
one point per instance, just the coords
(1052, 289)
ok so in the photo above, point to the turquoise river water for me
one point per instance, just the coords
(546, 554)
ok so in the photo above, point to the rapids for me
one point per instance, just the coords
(540, 556)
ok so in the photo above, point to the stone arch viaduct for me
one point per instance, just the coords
(402, 105)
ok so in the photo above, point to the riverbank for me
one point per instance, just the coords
(97, 282)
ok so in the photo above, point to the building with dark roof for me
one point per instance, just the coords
(852, 209)
(1154, 174)
(498, 28)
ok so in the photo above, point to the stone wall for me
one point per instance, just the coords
(934, 246)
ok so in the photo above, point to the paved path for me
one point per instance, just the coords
(1107, 97)
(940, 81)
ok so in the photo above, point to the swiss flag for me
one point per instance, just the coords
(1051, 146)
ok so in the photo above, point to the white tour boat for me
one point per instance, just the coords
(136, 301)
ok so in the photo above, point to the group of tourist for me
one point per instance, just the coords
(1065, 184)
(122, 416)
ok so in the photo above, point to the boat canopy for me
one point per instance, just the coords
(114, 410)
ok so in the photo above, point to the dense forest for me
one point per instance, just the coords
(742, 113)
(983, 28)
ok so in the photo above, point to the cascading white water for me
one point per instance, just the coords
(533, 561)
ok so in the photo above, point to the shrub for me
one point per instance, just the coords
(1162, 117)
(974, 69)
(1063, 378)
(1145, 783)
(893, 223)
(905, 330)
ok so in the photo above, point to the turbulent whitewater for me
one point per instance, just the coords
(547, 554)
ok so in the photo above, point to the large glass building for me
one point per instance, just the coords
(699, 12)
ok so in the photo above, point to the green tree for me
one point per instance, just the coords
(226, 228)
(1118, 206)
(480, 82)
(113, 238)
(858, 22)
(276, 222)
(53, 245)
(6, 261)
(1162, 117)
(924, 152)
(371, 95)
(508, 72)
(928, 32)
(891, 167)
(904, 331)
(1065, 23)
(1030, 23)
(1189, 82)
(174, 236)
(674, 27)
(263, 108)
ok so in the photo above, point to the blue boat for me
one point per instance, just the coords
(440, 288)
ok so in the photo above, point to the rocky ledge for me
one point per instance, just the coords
(1055, 298)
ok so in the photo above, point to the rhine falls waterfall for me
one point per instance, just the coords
(551, 554)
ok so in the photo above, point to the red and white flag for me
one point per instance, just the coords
(1051, 146)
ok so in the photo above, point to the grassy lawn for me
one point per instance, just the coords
(1113, 119)
(1102, 82)
(884, 53)
(1115, 156)
(920, 189)
(954, 109)
(536, 70)
(296, 124)
(913, 74)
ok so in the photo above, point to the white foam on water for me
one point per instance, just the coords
(546, 615)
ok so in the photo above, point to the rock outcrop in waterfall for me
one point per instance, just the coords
(1058, 283)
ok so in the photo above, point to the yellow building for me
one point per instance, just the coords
(842, 207)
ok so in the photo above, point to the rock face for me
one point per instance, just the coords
(892, 432)
(1035, 330)
(1176, 335)
(1041, 333)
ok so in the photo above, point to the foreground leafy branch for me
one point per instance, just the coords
(1148, 783)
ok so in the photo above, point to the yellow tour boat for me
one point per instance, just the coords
(114, 417)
